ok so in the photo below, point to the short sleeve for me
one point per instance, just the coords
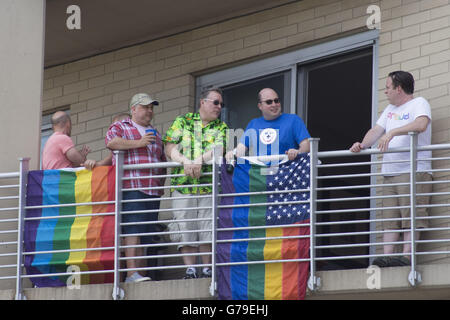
(115, 130)
(422, 108)
(249, 134)
(383, 118)
(301, 132)
(65, 143)
(175, 132)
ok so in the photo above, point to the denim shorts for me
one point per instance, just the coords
(139, 217)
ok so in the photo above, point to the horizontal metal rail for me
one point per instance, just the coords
(344, 230)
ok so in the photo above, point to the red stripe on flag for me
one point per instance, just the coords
(295, 274)
(99, 193)
(108, 229)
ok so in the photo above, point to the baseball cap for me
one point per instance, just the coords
(143, 99)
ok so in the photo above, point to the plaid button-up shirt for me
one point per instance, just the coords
(149, 154)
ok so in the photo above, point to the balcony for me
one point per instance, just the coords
(345, 236)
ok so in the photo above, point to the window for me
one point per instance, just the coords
(280, 72)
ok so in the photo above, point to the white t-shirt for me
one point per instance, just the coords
(394, 117)
(140, 128)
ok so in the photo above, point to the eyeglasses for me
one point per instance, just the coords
(216, 102)
(269, 101)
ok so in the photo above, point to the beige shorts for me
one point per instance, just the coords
(404, 201)
(190, 226)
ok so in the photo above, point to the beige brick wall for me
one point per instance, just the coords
(414, 36)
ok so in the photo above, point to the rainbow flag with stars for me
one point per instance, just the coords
(69, 186)
(251, 274)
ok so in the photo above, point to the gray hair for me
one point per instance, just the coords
(204, 94)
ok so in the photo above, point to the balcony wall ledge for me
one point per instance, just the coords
(393, 283)
(151, 290)
(335, 285)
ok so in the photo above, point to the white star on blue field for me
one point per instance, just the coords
(292, 176)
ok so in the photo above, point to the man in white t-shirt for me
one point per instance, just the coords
(404, 114)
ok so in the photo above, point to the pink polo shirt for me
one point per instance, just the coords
(54, 153)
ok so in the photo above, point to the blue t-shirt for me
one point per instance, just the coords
(271, 137)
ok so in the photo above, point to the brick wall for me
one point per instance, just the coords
(413, 37)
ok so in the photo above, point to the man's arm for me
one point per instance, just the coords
(418, 125)
(91, 164)
(239, 151)
(369, 139)
(77, 157)
(303, 147)
(191, 168)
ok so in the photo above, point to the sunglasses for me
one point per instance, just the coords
(269, 101)
(216, 102)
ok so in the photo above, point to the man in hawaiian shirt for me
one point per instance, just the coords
(191, 141)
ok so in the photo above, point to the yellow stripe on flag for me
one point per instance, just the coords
(274, 271)
(80, 225)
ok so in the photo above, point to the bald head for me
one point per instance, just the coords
(61, 122)
(266, 91)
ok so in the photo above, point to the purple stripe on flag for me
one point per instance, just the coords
(224, 249)
(34, 198)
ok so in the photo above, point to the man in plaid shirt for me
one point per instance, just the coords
(141, 144)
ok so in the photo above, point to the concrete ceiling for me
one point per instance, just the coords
(112, 24)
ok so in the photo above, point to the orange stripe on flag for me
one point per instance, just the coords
(99, 193)
(289, 250)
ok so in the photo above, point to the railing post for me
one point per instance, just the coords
(215, 196)
(414, 277)
(313, 282)
(118, 293)
(24, 167)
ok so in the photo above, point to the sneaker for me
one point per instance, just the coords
(206, 273)
(136, 277)
(190, 274)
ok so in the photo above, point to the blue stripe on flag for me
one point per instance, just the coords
(45, 231)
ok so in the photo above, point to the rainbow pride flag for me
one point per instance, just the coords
(67, 186)
(271, 280)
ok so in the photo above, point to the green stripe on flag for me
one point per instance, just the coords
(61, 238)
(255, 252)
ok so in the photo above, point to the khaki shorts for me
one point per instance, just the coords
(180, 214)
(404, 201)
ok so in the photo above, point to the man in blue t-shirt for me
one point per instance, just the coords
(273, 133)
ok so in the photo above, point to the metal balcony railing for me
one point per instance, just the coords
(345, 216)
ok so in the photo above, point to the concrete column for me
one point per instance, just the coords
(22, 27)
(22, 31)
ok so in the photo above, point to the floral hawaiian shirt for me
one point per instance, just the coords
(194, 139)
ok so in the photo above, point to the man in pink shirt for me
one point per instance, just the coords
(59, 151)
